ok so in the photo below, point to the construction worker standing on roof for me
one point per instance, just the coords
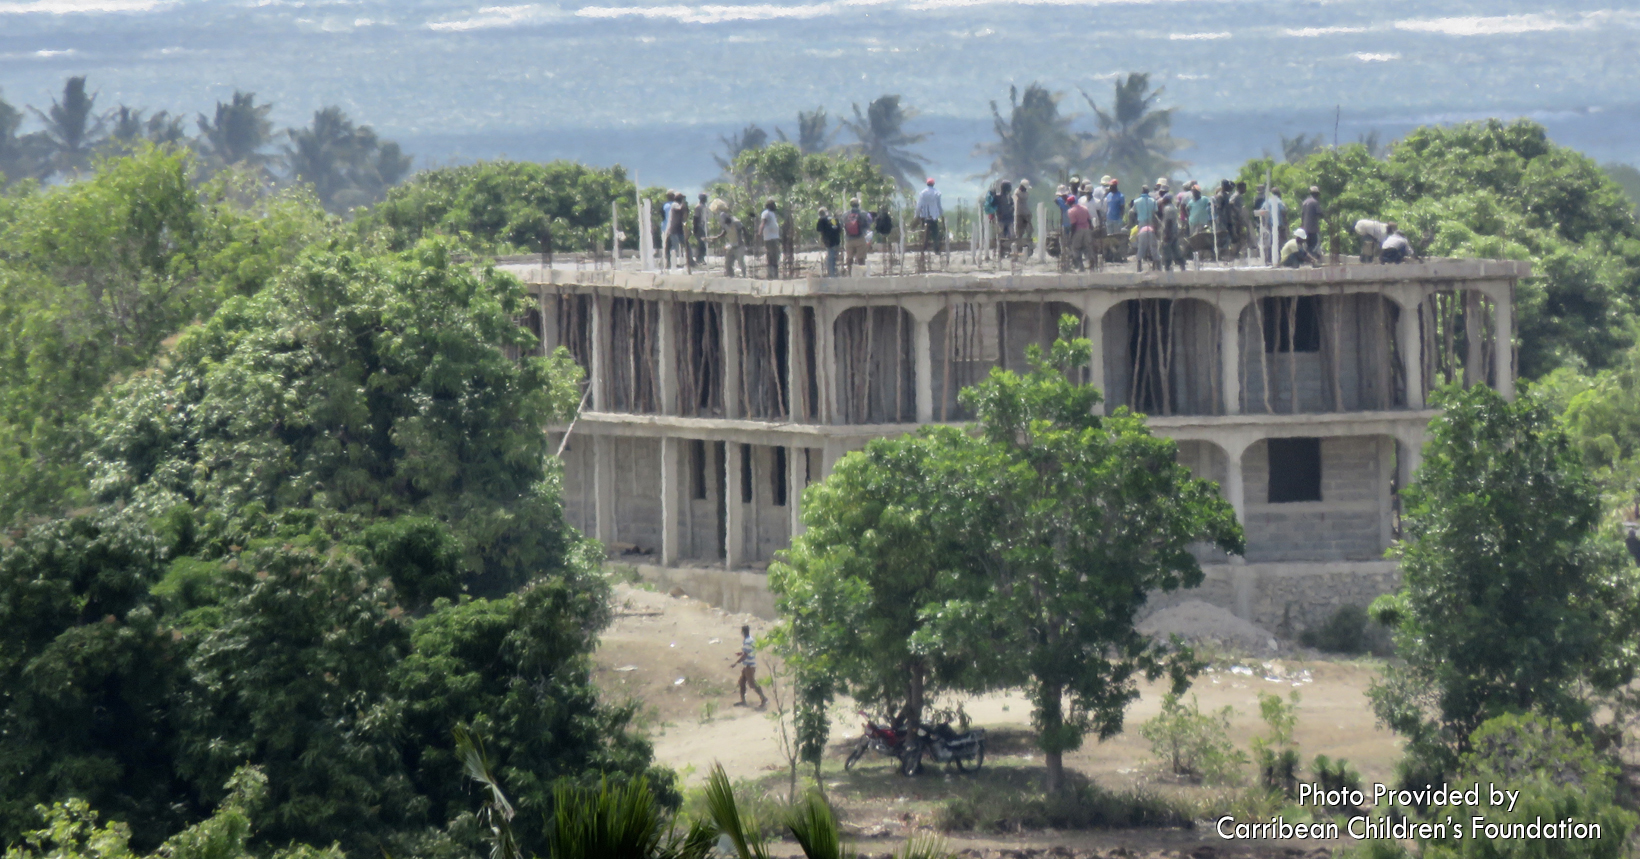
(929, 211)
(1022, 219)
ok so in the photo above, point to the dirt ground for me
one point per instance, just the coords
(673, 654)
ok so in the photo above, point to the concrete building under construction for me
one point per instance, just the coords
(714, 401)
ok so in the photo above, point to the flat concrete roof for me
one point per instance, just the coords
(1026, 280)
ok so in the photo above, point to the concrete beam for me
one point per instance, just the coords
(1438, 274)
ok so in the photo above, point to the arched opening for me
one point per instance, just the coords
(876, 366)
(1162, 356)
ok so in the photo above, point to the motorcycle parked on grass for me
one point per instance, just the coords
(886, 740)
(945, 745)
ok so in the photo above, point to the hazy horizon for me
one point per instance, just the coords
(652, 85)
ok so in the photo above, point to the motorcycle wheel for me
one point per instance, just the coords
(979, 754)
(854, 756)
(911, 760)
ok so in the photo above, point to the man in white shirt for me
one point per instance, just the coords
(1372, 235)
(1395, 248)
(769, 228)
(929, 211)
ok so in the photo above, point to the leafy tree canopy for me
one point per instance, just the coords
(1510, 601)
(804, 183)
(1049, 526)
(510, 207)
(363, 386)
(1502, 191)
(96, 275)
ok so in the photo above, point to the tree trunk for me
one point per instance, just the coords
(914, 699)
(1053, 720)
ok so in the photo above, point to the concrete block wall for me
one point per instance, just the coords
(578, 500)
(1345, 525)
(638, 493)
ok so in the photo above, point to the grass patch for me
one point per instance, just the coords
(1012, 800)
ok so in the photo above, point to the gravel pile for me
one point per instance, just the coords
(1194, 620)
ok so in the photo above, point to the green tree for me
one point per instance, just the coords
(1627, 178)
(506, 206)
(1047, 525)
(238, 132)
(86, 667)
(95, 275)
(372, 386)
(859, 587)
(1034, 142)
(72, 128)
(882, 138)
(1135, 141)
(1509, 601)
(804, 182)
(1073, 519)
(1559, 775)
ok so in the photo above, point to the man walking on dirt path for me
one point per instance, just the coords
(748, 671)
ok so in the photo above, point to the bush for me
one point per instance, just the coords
(1194, 744)
(1334, 775)
(1277, 755)
(1560, 776)
(1348, 631)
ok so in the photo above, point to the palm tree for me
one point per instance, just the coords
(128, 125)
(882, 138)
(238, 133)
(347, 165)
(1296, 149)
(72, 128)
(17, 153)
(750, 137)
(1034, 141)
(809, 821)
(814, 131)
(1135, 141)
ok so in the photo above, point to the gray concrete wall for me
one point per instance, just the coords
(638, 493)
(1345, 525)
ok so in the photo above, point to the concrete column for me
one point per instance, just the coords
(1503, 352)
(796, 468)
(1473, 371)
(549, 322)
(666, 345)
(1230, 353)
(829, 455)
(1410, 345)
(1235, 489)
(600, 352)
(731, 360)
(924, 350)
(734, 548)
(672, 499)
(603, 489)
(1386, 500)
(1094, 310)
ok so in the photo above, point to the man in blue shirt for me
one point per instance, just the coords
(1115, 209)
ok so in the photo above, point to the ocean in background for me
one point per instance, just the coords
(654, 85)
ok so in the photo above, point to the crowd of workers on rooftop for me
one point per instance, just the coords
(1098, 223)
